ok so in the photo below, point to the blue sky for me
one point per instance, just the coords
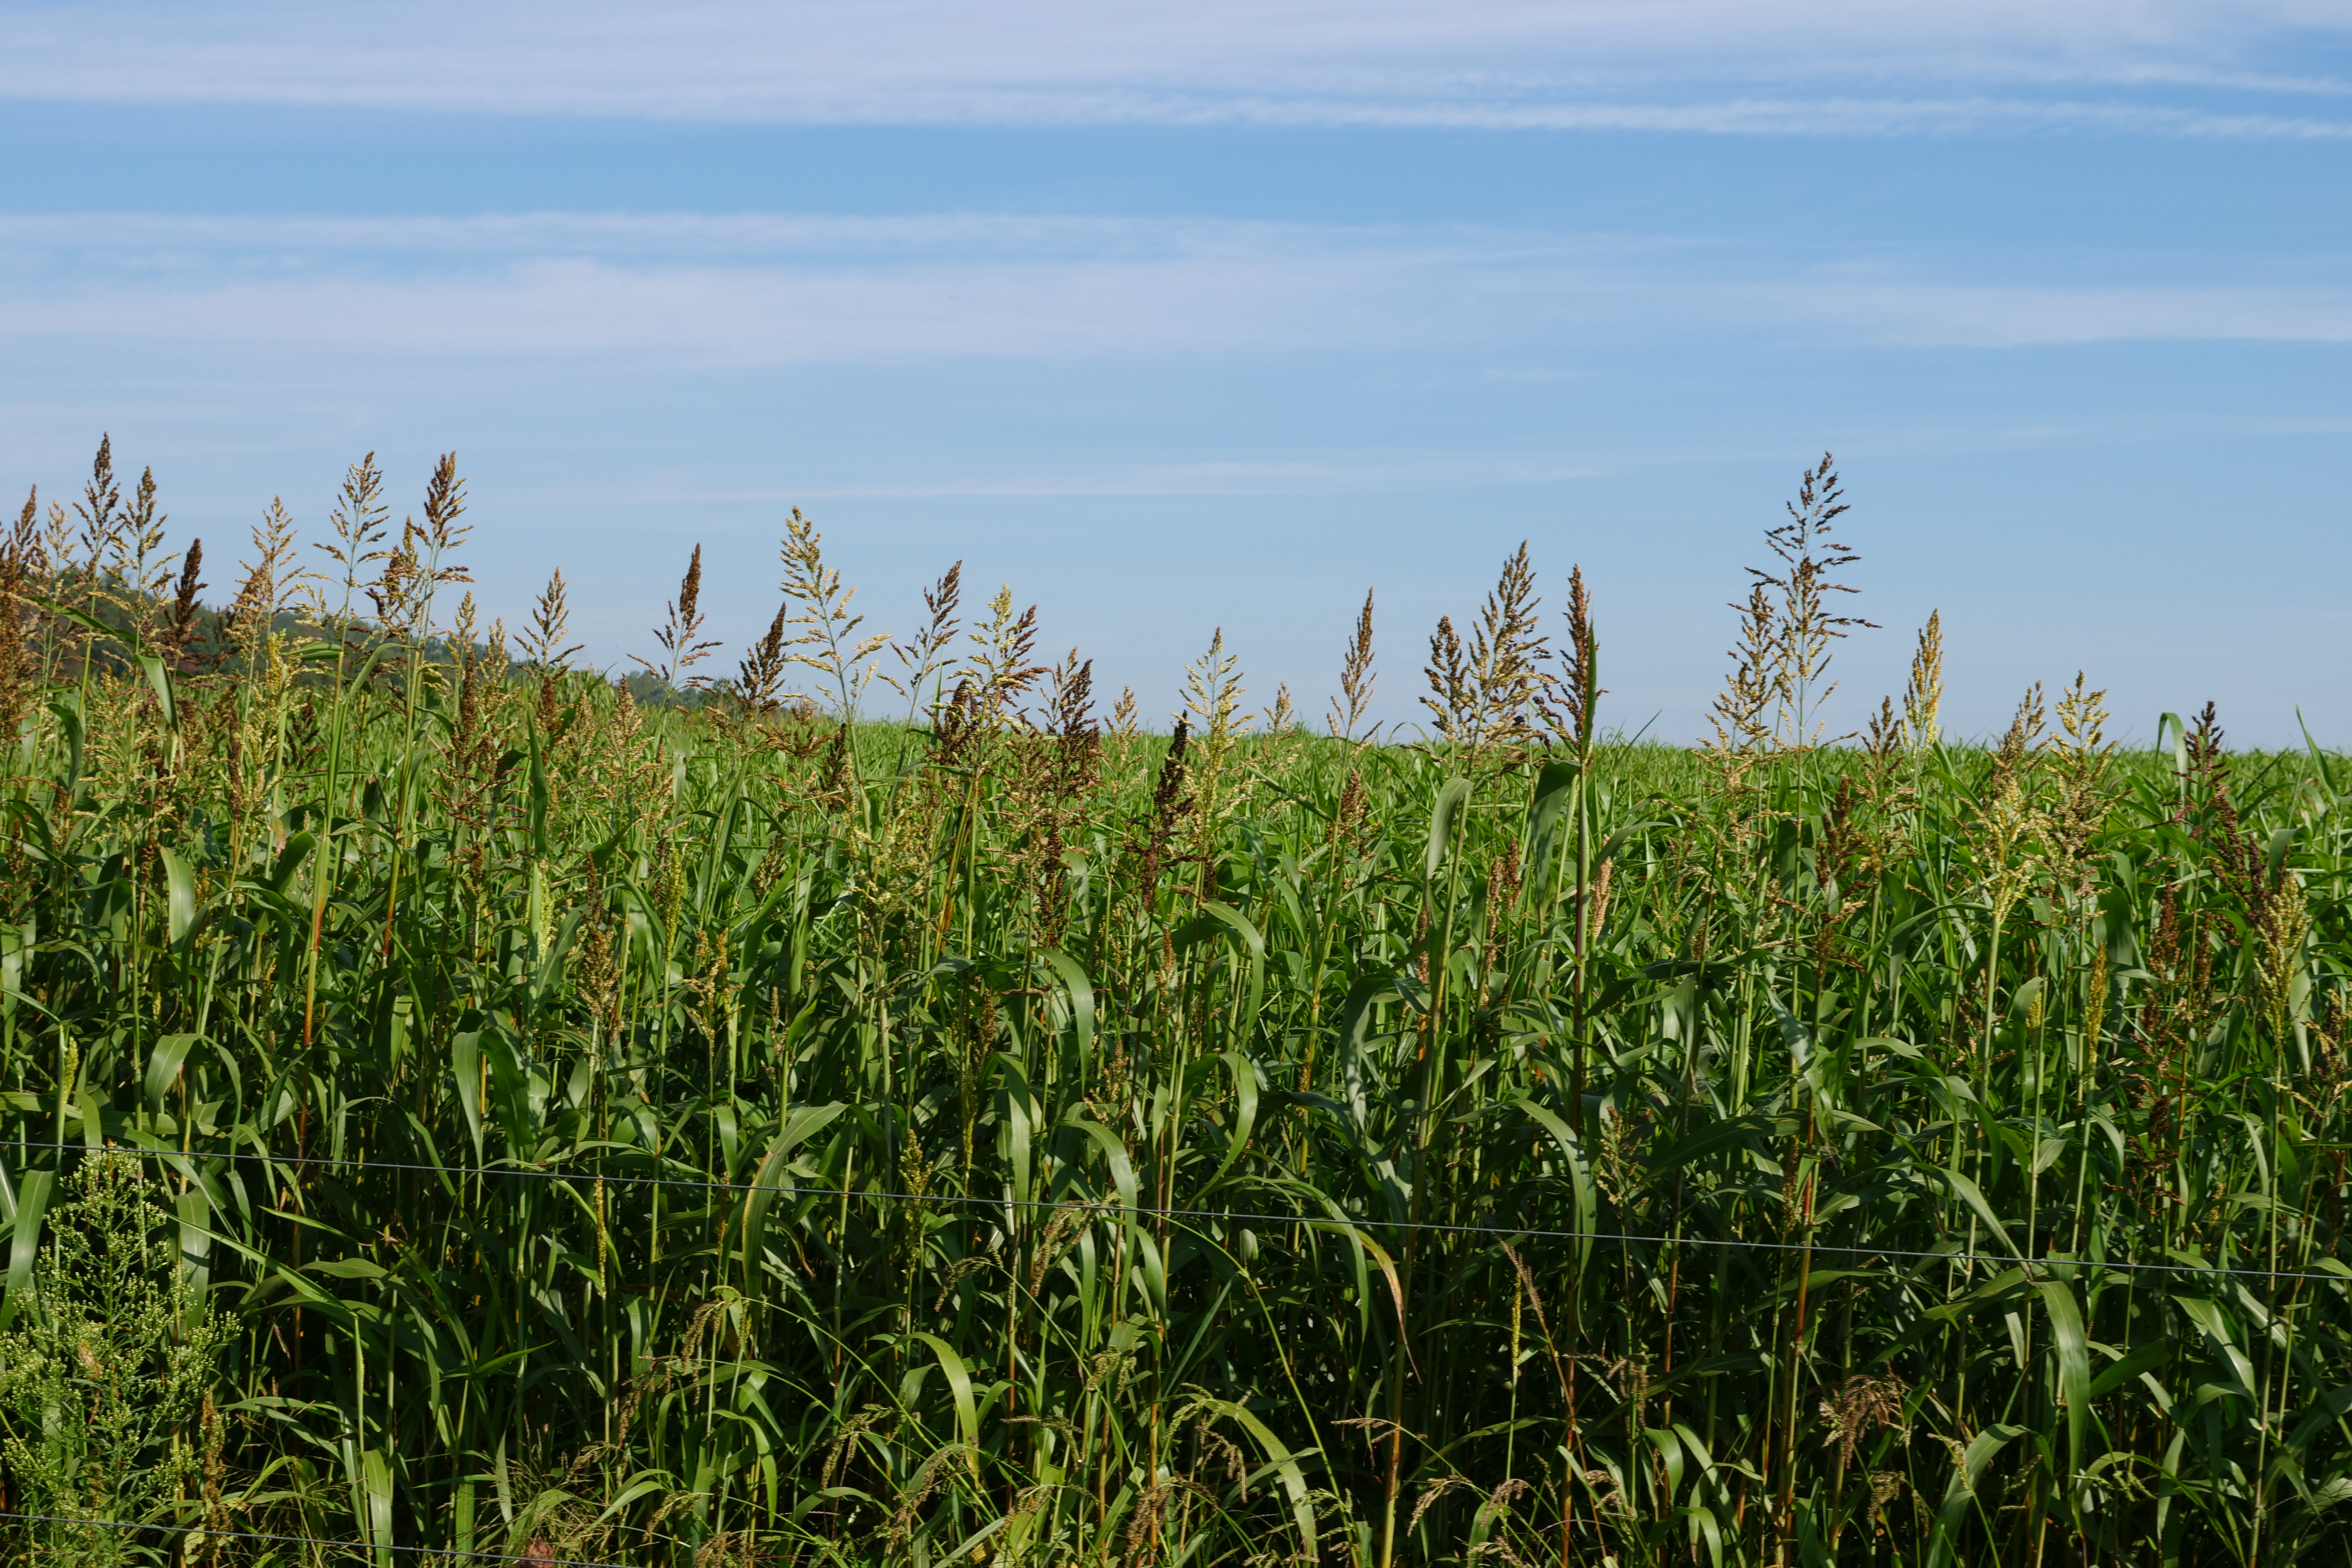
(1180, 317)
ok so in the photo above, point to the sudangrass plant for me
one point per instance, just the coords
(729, 1127)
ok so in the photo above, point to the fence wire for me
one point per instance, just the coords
(1842, 1249)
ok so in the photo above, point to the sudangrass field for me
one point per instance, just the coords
(895, 1105)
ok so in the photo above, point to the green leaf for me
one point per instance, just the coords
(550, 974)
(163, 1065)
(66, 708)
(959, 1387)
(1022, 1114)
(1555, 789)
(87, 622)
(775, 1167)
(1081, 992)
(466, 1069)
(1442, 815)
(32, 1204)
(1971, 1194)
(2140, 1359)
(1670, 1450)
(538, 795)
(376, 1479)
(1122, 1169)
(290, 860)
(1285, 1463)
(158, 680)
(2323, 1413)
(1244, 1076)
(1355, 1043)
(1715, 1135)
(1239, 922)
(2073, 1365)
(1966, 1476)
(195, 1215)
(181, 888)
(1588, 1207)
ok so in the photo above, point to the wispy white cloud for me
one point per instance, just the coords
(1756, 66)
(713, 316)
(743, 290)
(1939, 315)
(1783, 116)
(131, 241)
(766, 290)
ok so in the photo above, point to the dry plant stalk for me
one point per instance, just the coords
(1757, 685)
(1486, 699)
(1357, 681)
(23, 570)
(680, 635)
(1923, 699)
(1807, 628)
(828, 639)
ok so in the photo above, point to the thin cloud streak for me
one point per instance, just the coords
(774, 289)
(1390, 471)
(135, 241)
(1840, 117)
(1835, 66)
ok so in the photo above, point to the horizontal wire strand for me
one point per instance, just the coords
(1114, 1209)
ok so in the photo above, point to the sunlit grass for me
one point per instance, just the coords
(1242, 1145)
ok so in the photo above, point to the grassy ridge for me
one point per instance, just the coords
(1084, 1145)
